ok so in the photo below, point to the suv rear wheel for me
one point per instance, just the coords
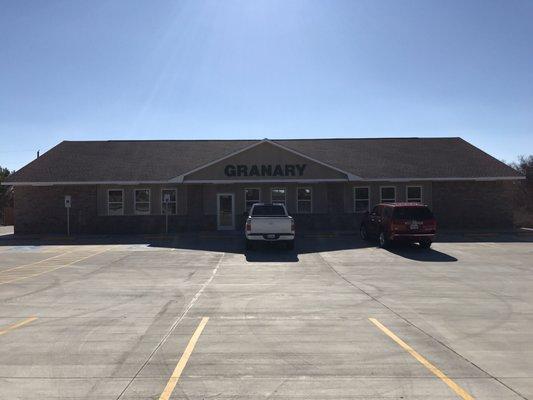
(363, 232)
(425, 244)
(383, 241)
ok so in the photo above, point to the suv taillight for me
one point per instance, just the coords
(248, 226)
(398, 226)
(430, 224)
(292, 226)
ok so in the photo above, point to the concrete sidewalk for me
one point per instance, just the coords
(6, 230)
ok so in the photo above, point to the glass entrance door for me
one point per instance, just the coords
(225, 211)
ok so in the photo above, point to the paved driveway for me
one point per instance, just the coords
(198, 319)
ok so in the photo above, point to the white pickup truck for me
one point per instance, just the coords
(269, 223)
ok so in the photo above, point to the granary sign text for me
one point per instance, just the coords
(233, 170)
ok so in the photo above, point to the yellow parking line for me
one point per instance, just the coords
(17, 325)
(437, 372)
(53, 269)
(171, 384)
(36, 262)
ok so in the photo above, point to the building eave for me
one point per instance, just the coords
(349, 179)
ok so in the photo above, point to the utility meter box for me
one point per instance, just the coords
(68, 201)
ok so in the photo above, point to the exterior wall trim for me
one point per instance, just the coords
(180, 178)
(298, 201)
(135, 201)
(226, 181)
(128, 183)
(413, 186)
(107, 201)
(284, 191)
(355, 198)
(219, 227)
(78, 183)
(161, 199)
(350, 176)
(388, 187)
(251, 188)
(475, 179)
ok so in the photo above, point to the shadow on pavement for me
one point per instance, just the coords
(271, 254)
(234, 243)
(415, 253)
(264, 252)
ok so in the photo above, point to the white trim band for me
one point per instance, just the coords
(128, 183)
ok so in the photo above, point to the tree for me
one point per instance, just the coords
(6, 197)
(522, 163)
(523, 194)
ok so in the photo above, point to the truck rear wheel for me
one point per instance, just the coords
(425, 244)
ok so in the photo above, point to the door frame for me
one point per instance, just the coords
(226, 228)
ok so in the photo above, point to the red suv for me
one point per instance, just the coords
(395, 222)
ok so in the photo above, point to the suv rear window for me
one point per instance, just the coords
(268, 211)
(418, 213)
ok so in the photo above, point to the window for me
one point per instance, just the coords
(171, 207)
(388, 194)
(142, 201)
(277, 195)
(115, 202)
(269, 211)
(361, 199)
(418, 213)
(414, 194)
(305, 200)
(251, 196)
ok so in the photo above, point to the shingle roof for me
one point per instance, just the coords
(405, 157)
(151, 161)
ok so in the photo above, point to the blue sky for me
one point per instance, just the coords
(88, 70)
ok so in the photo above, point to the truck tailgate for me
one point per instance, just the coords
(271, 225)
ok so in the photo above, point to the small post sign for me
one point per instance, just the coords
(166, 201)
(68, 204)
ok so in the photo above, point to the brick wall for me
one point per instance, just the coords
(455, 204)
(529, 189)
(41, 209)
(327, 222)
(473, 204)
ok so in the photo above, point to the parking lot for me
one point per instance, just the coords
(198, 318)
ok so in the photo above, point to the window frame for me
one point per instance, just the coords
(246, 209)
(115, 202)
(135, 202)
(407, 194)
(298, 200)
(355, 199)
(388, 200)
(175, 201)
(284, 191)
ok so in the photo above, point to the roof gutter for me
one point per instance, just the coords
(129, 183)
